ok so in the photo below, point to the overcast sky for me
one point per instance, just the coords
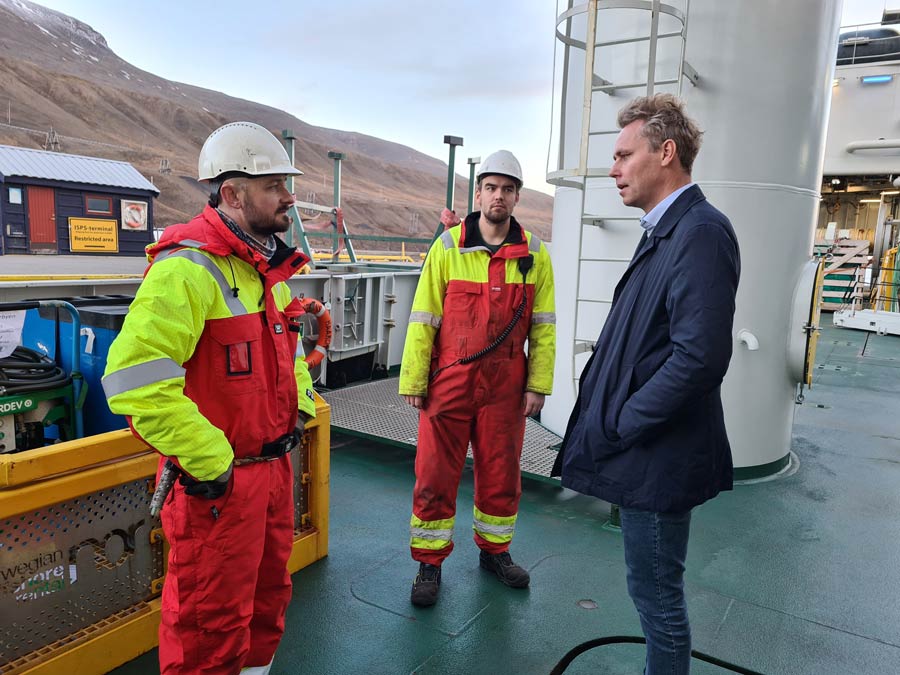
(408, 72)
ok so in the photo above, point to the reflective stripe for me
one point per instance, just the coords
(483, 517)
(162, 255)
(471, 249)
(190, 243)
(321, 349)
(496, 529)
(535, 244)
(482, 531)
(499, 530)
(141, 375)
(430, 535)
(447, 239)
(444, 524)
(543, 317)
(428, 545)
(235, 306)
(427, 318)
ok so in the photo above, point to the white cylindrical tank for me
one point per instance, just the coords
(765, 75)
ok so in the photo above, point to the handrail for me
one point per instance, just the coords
(874, 144)
(372, 237)
(851, 38)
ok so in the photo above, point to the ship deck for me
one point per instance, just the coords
(794, 575)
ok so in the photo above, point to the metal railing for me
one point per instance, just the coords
(854, 37)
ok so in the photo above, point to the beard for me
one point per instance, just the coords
(497, 215)
(266, 225)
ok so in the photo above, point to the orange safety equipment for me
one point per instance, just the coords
(206, 371)
(317, 309)
(449, 218)
(465, 301)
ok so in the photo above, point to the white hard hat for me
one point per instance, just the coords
(502, 162)
(244, 147)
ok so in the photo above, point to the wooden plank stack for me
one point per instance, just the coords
(845, 263)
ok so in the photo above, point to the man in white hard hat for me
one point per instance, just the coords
(486, 289)
(206, 373)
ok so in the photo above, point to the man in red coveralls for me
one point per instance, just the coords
(206, 370)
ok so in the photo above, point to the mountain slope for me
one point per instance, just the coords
(56, 71)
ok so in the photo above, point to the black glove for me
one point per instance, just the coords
(208, 489)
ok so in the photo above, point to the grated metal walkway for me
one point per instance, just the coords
(375, 410)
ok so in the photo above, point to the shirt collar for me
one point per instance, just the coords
(652, 218)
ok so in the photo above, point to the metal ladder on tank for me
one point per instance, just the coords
(582, 174)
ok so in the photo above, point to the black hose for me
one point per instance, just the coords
(25, 371)
(632, 639)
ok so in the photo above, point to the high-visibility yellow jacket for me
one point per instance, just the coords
(454, 270)
(206, 366)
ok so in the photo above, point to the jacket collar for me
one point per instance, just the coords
(208, 233)
(678, 208)
(471, 233)
(515, 245)
(665, 226)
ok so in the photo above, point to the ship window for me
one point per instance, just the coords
(98, 205)
(15, 195)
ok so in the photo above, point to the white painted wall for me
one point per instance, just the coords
(863, 112)
(766, 71)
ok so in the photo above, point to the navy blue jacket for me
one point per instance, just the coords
(647, 430)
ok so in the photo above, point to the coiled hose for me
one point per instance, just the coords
(25, 371)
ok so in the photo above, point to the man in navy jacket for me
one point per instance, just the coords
(647, 432)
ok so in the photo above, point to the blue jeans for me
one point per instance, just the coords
(655, 551)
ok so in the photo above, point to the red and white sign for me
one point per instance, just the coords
(134, 215)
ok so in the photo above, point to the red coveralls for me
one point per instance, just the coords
(227, 586)
(480, 401)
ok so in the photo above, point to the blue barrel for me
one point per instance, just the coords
(47, 331)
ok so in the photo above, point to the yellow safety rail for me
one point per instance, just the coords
(35, 480)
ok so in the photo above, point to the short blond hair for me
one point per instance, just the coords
(664, 119)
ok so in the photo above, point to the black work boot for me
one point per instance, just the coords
(426, 586)
(506, 570)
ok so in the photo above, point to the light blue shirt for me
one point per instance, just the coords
(652, 218)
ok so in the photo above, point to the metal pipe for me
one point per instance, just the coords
(587, 94)
(288, 137)
(452, 141)
(651, 61)
(473, 161)
(296, 230)
(337, 157)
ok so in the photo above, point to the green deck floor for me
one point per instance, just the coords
(796, 575)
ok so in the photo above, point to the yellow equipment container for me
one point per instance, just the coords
(82, 562)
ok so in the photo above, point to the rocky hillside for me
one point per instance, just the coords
(56, 71)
